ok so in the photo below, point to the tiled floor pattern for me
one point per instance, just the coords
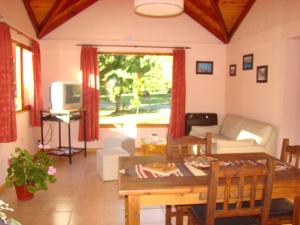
(78, 197)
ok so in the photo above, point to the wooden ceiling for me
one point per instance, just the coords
(220, 17)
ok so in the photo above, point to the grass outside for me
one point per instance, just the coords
(155, 109)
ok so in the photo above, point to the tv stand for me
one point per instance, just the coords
(64, 117)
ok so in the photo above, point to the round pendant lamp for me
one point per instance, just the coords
(158, 8)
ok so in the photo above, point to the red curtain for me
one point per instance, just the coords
(177, 117)
(37, 79)
(8, 127)
(90, 93)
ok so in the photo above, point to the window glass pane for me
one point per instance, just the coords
(18, 79)
(135, 88)
(27, 77)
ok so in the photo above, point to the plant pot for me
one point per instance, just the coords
(22, 193)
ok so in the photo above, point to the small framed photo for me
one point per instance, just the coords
(262, 74)
(204, 67)
(232, 70)
(248, 62)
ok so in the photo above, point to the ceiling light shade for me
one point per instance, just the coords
(158, 8)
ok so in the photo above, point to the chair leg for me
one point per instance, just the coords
(191, 220)
(179, 215)
(296, 216)
(168, 214)
(181, 211)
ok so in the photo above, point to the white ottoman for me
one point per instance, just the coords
(108, 162)
(124, 142)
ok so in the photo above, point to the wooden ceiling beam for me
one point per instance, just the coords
(241, 18)
(203, 8)
(56, 8)
(31, 16)
(58, 17)
(204, 24)
(220, 20)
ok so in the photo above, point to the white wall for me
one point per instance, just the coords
(15, 15)
(114, 22)
(268, 32)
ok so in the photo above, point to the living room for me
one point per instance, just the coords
(270, 32)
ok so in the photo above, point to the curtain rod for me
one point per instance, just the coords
(21, 33)
(133, 46)
(15, 29)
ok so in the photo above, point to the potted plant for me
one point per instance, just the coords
(29, 173)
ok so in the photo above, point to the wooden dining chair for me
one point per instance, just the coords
(233, 185)
(290, 153)
(189, 145)
(282, 210)
(184, 146)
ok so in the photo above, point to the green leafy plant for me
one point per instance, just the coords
(35, 171)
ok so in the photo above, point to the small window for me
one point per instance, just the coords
(135, 88)
(23, 77)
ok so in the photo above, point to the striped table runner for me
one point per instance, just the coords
(184, 170)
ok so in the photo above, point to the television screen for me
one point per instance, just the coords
(65, 96)
(73, 93)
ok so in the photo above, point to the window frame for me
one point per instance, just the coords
(138, 125)
(21, 46)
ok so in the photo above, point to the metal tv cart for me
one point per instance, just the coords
(68, 117)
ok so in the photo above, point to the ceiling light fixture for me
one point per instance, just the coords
(158, 8)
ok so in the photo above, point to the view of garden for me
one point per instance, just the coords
(135, 88)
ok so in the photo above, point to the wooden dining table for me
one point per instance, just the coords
(170, 190)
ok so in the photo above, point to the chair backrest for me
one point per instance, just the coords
(290, 153)
(239, 186)
(189, 145)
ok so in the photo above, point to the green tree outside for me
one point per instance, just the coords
(134, 84)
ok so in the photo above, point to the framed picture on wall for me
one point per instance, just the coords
(262, 74)
(232, 70)
(204, 67)
(248, 62)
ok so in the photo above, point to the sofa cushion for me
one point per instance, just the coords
(252, 129)
(231, 126)
(200, 131)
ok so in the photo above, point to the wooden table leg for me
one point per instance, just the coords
(126, 210)
(296, 216)
(132, 210)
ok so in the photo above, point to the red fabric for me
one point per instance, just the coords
(90, 93)
(37, 79)
(177, 117)
(8, 127)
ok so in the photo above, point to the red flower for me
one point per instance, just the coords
(9, 162)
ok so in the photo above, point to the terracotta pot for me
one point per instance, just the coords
(22, 193)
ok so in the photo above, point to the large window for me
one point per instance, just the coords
(135, 88)
(23, 77)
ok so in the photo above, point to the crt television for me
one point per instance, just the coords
(65, 96)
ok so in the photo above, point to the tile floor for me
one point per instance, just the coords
(78, 197)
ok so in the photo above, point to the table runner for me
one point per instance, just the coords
(186, 169)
